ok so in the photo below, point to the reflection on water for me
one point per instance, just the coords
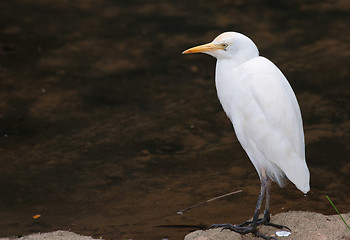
(107, 130)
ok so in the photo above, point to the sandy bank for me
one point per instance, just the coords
(304, 226)
(57, 235)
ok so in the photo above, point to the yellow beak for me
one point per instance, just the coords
(204, 48)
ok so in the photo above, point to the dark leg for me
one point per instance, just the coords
(266, 219)
(251, 228)
(251, 225)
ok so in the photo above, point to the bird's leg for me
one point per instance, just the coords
(266, 187)
(263, 185)
(263, 188)
(266, 219)
(251, 225)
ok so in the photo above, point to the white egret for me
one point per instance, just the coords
(266, 117)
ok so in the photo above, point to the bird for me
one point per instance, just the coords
(266, 118)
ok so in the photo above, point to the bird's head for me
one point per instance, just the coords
(228, 45)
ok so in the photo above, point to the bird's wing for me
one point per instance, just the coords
(274, 98)
(269, 123)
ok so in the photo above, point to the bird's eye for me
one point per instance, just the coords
(224, 45)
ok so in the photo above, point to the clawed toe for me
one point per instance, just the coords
(250, 228)
(262, 221)
(223, 226)
(235, 228)
(277, 226)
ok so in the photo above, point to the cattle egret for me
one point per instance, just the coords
(266, 118)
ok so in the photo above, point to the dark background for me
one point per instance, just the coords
(107, 130)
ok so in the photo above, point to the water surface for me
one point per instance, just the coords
(107, 130)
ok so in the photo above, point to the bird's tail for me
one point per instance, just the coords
(299, 174)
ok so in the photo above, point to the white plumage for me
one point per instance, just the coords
(262, 107)
(265, 114)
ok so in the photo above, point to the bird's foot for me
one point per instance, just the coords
(241, 229)
(264, 221)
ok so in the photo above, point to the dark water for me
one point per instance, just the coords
(107, 130)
